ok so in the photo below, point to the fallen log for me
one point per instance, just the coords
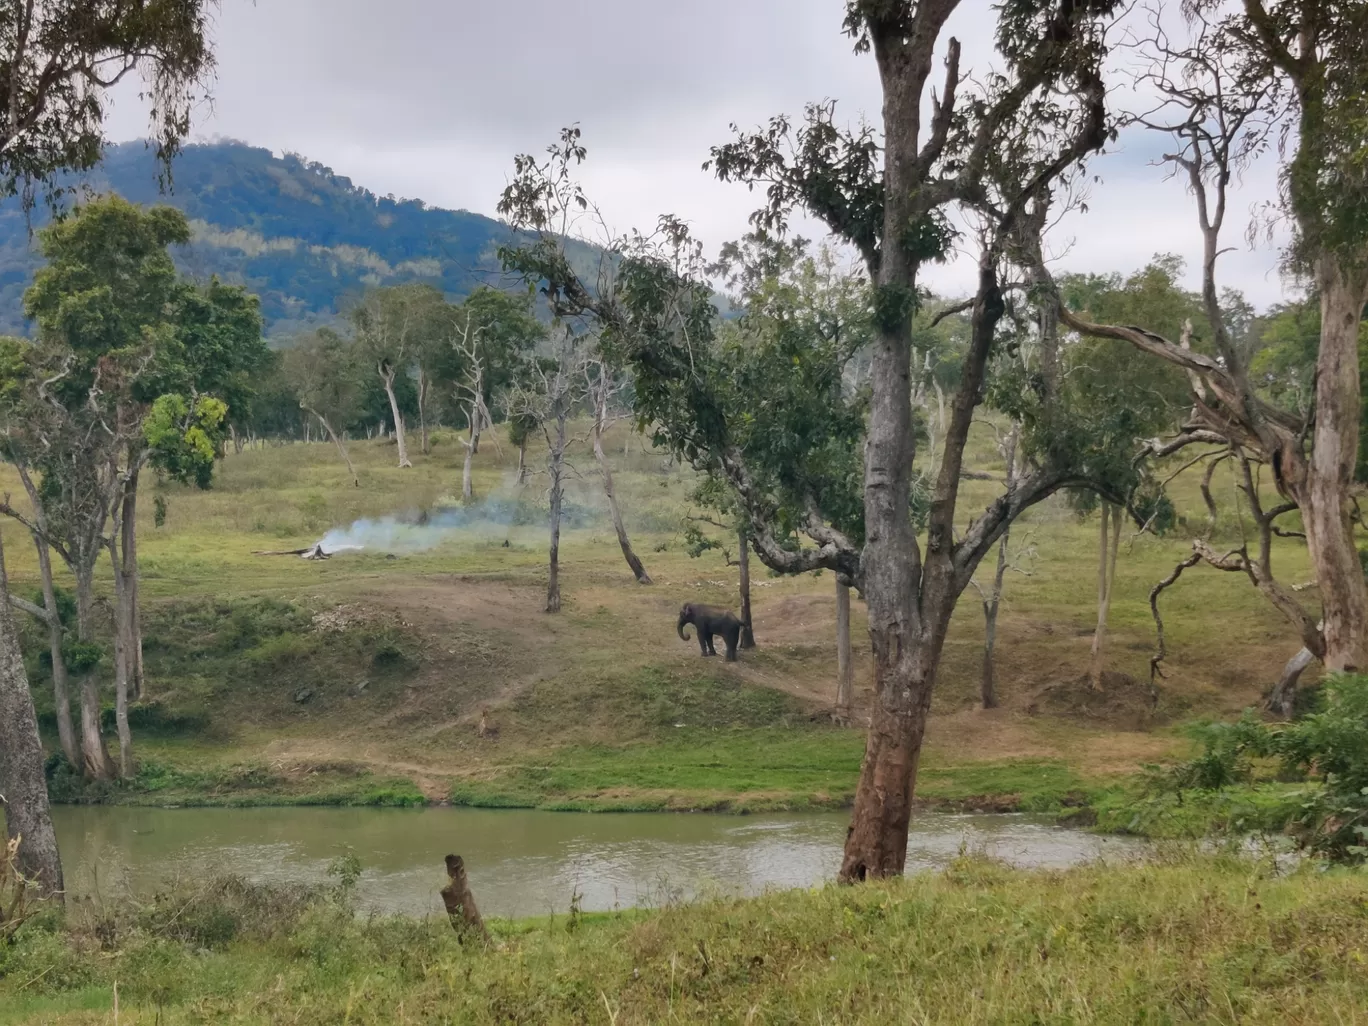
(312, 552)
(460, 902)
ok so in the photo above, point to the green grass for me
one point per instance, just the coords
(1189, 938)
(240, 682)
(239, 786)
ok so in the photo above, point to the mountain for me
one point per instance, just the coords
(305, 239)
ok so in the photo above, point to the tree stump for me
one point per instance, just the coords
(460, 902)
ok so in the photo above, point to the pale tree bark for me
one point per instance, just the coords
(121, 666)
(845, 661)
(123, 639)
(341, 449)
(743, 572)
(556, 469)
(387, 372)
(1282, 698)
(94, 755)
(61, 694)
(1325, 498)
(23, 788)
(128, 542)
(472, 446)
(522, 462)
(1109, 535)
(422, 408)
(601, 388)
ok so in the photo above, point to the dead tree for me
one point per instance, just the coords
(601, 388)
(466, 340)
(1226, 94)
(548, 398)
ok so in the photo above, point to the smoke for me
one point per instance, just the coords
(422, 530)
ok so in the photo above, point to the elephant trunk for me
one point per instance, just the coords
(680, 629)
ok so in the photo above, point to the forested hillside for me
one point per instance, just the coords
(301, 237)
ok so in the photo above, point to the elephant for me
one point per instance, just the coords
(709, 621)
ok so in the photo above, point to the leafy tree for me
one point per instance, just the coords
(999, 149)
(60, 58)
(120, 332)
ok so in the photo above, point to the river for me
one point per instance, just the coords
(522, 863)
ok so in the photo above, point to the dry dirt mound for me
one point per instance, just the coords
(1122, 703)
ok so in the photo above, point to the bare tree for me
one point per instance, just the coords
(602, 387)
(466, 340)
(549, 396)
(23, 787)
(1233, 85)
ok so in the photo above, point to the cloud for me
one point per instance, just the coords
(432, 98)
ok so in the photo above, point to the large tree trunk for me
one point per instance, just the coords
(625, 543)
(61, 694)
(94, 756)
(876, 844)
(22, 784)
(1327, 504)
(1110, 544)
(522, 462)
(342, 449)
(845, 664)
(743, 567)
(387, 376)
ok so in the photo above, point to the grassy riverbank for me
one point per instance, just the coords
(1191, 938)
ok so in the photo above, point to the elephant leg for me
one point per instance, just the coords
(712, 647)
(703, 642)
(732, 638)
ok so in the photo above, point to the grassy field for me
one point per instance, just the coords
(1187, 938)
(363, 678)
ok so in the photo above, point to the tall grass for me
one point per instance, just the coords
(1189, 938)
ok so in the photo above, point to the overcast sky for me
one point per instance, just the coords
(431, 99)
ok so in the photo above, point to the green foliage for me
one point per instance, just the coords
(1114, 396)
(185, 442)
(67, 54)
(1329, 746)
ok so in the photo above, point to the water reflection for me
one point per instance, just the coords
(521, 862)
